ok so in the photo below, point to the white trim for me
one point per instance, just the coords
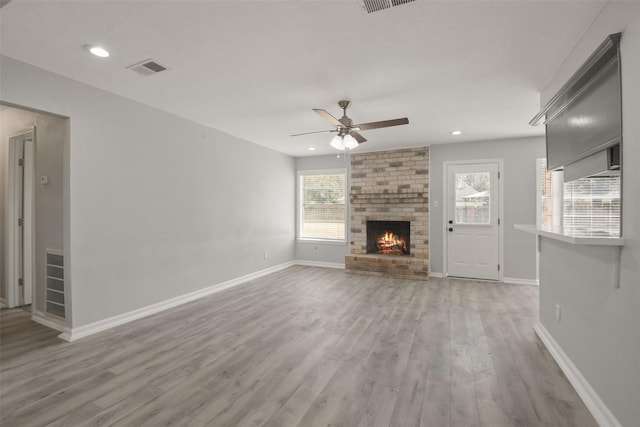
(596, 406)
(299, 199)
(48, 321)
(73, 334)
(319, 264)
(310, 241)
(519, 281)
(436, 274)
(3, 303)
(539, 163)
(29, 218)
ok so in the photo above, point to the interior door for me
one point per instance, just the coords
(473, 223)
(20, 199)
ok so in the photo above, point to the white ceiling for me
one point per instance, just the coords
(255, 69)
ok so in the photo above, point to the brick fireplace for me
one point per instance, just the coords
(390, 187)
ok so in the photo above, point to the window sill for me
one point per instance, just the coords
(576, 240)
(322, 242)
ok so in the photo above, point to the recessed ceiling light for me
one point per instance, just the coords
(312, 149)
(456, 132)
(98, 51)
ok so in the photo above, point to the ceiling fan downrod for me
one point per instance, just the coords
(345, 120)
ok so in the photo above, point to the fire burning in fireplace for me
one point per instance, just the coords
(388, 237)
(390, 244)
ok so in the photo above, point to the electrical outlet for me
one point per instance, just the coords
(266, 255)
(558, 317)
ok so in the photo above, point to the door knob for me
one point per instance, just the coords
(450, 228)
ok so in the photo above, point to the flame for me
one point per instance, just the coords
(389, 243)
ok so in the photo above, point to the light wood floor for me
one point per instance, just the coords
(301, 347)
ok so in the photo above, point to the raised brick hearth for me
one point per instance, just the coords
(390, 186)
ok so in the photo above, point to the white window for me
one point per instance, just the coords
(549, 204)
(585, 207)
(322, 205)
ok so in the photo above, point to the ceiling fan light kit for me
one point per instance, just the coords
(348, 136)
(342, 142)
(337, 143)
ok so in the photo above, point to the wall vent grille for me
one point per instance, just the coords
(371, 6)
(147, 67)
(54, 289)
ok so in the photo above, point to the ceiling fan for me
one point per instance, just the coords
(348, 136)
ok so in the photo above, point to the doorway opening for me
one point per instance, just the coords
(34, 181)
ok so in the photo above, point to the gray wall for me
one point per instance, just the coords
(599, 327)
(48, 215)
(158, 206)
(519, 198)
(318, 252)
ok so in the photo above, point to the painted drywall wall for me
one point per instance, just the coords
(48, 208)
(319, 252)
(599, 326)
(158, 206)
(519, 157)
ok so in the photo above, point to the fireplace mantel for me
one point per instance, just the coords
(389, 218)
(388, 197)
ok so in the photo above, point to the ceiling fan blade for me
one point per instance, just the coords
(358, 137)
(311, 133)
(328, 117)
(383, 124)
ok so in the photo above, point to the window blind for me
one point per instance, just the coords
(592, 207)
(586, 207)
(550, 197)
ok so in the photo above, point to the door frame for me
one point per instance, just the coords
(13, 290)
(445, 210)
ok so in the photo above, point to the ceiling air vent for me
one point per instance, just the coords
(376, 5)
(147, 67)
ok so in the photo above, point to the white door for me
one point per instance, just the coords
(20, 236)
(472, 220)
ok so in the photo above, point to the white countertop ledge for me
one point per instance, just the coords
(602, 241)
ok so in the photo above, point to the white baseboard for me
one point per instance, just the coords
(518, 281)
(73, 334)
(3, 303)
(592, 401)
(319, 264)
(512, 280)
(43, 319)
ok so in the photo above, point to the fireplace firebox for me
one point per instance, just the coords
(388, 237)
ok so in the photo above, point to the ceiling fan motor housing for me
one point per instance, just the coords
(346, 121)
